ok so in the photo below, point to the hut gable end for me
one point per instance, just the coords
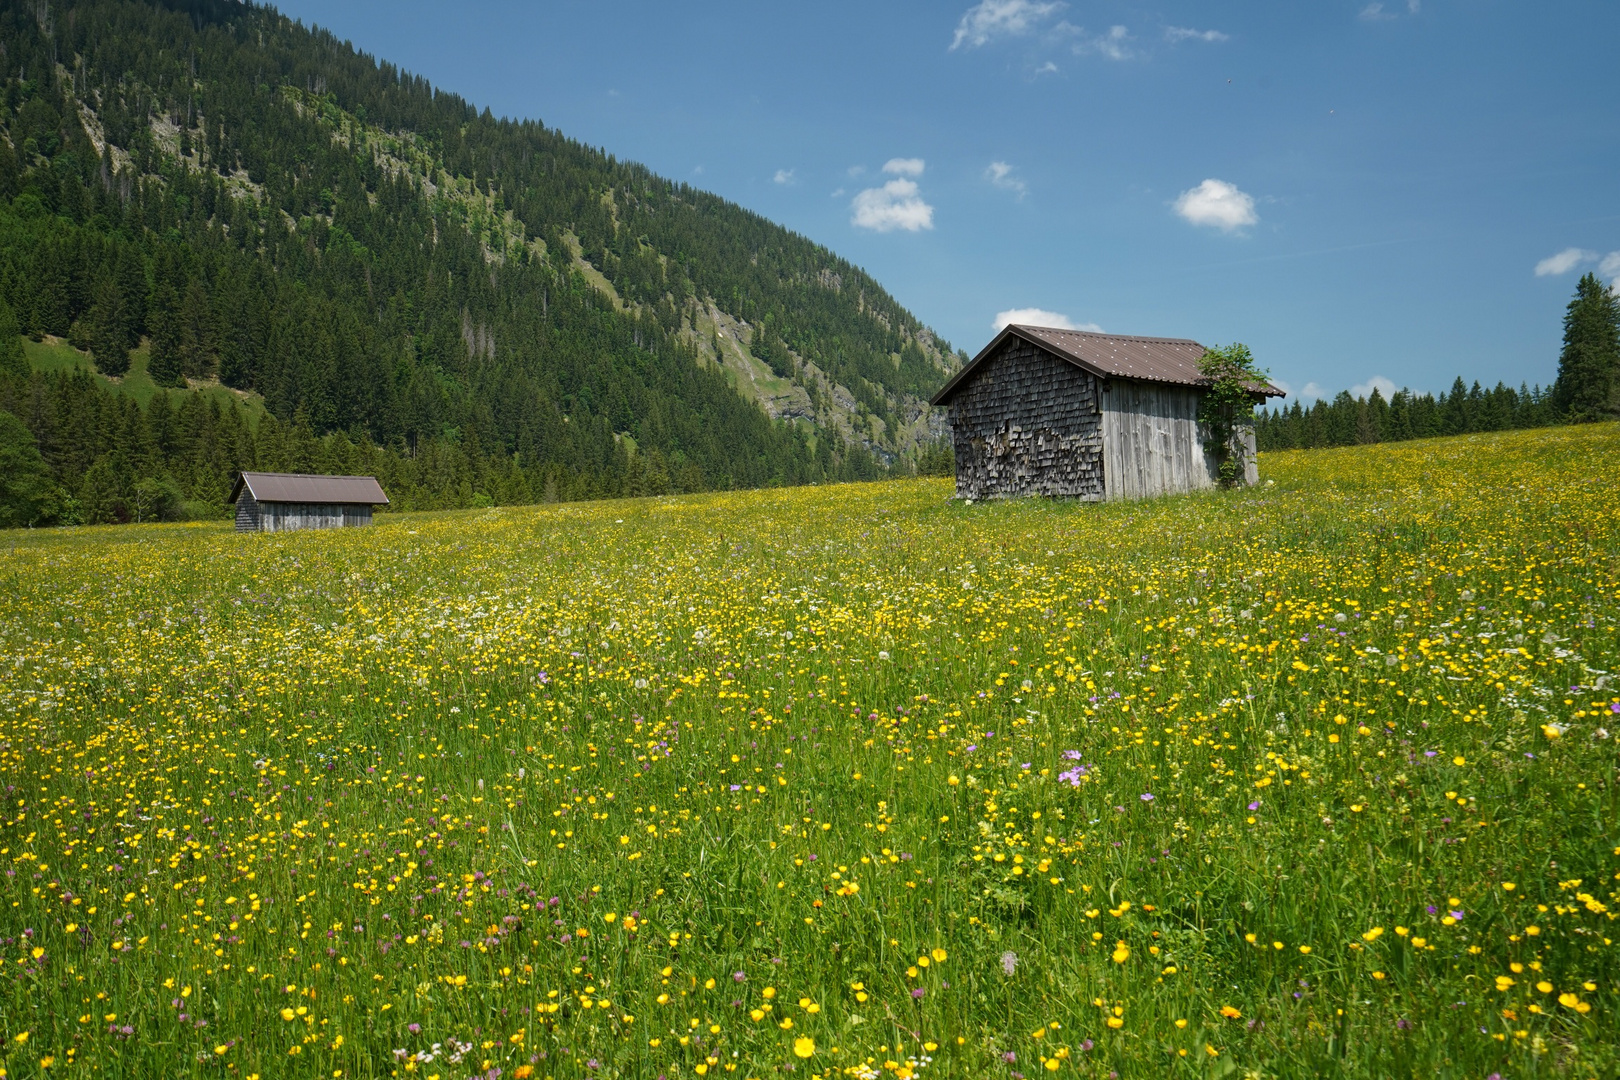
(1027, 423)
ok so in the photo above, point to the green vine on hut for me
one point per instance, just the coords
(1228, 406)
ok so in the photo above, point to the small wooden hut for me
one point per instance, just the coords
(277, 502)
(1042, 411)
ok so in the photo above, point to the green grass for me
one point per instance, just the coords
(563, 790)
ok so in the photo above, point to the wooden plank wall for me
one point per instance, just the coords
(284, 517)
(1151, 440)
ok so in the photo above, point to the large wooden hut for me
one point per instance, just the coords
(277, 502)
(1042, 411)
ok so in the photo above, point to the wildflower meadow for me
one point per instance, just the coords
(1317, 778)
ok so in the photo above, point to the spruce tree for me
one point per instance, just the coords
(197, 340)
(166, 363)
(1588, 386)
(27, 493)
(13, 362)
(130, 273)
(107, 324)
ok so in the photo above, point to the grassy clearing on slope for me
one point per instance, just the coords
(54, 355)
(1310, 779)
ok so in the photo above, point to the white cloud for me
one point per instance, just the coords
(1377, 12)
(904, 166)
(1217, 203)
(1312, 391)
(1573, 258)
(990, 19)
(1001, 175)
(1047, 68)
(1175, 34)
(836, 193)
(1565, 261)
(1286, 387)
(895, 205)
(1385, 386)
(783, 176)
(1610, 268)
(1114, 44)
(1034, 316)
(856, 170)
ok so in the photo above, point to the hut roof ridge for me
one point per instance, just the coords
(309, 488)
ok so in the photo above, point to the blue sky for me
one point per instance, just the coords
(1402, 192)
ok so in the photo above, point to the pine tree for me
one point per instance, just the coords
(1588, 386)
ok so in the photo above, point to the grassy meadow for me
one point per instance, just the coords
(1312, 779)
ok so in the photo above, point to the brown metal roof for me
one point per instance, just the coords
(1116, 356)
(304, 488)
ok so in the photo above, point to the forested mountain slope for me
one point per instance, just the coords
(470, 307)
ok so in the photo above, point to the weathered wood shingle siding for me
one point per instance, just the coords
(247, 513)
(1152, 441)
(1027, 423)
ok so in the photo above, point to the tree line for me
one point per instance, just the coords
(73, 451)
(1587, 389)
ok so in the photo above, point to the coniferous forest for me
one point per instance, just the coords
(272, 251)
(1345, 420)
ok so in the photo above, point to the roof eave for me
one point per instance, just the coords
(321, 502)
(955, 382)
(949, 389)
